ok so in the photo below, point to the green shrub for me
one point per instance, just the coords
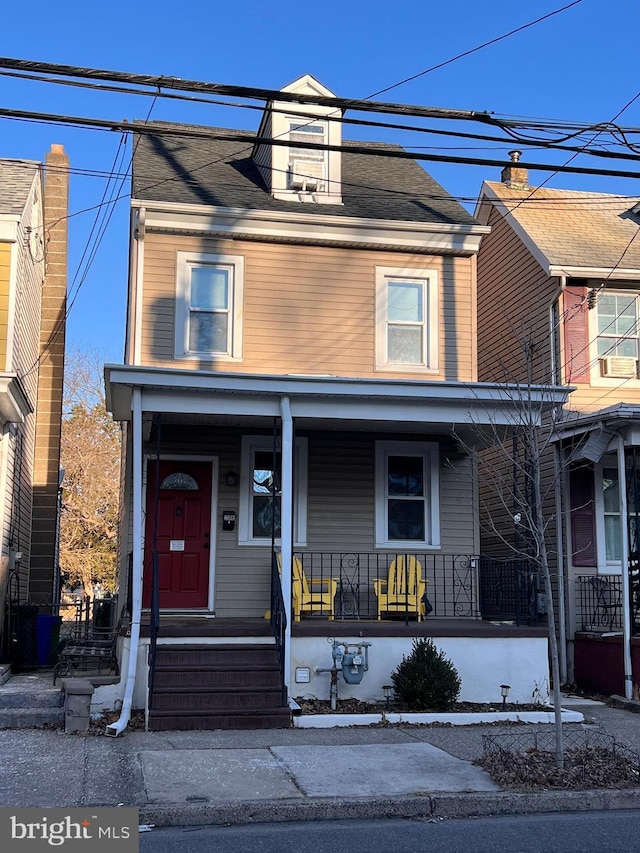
(426, 680)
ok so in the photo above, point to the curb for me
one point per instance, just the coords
(330, 721)
(431, 806)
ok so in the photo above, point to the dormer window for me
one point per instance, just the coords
(311, 175)
(307, 166)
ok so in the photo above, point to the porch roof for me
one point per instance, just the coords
(616, 417)
(595, 432)
(466, 408)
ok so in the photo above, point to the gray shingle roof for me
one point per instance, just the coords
(576, 229)
(16, 179)
(221, 173)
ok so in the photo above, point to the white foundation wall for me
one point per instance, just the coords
(483, 664)
(108, 697)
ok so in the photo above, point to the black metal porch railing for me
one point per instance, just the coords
(451, 583)
(278, 620)
(599, 603)
(37, 634)
(509, 589)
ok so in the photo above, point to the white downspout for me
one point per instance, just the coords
(286, 525)
(624, 539)
(122, 722)
(557, 464)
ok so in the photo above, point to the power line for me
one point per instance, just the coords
(477, 48)
(368, 150)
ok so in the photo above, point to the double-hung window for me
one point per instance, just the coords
(407, 494)
(260, 491)
(307, 166)
(615, 330)
(406, 319)
(209, 306)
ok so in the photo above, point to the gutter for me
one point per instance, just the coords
(122, 722)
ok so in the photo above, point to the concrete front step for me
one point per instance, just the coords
(40, 699)
(28, 718)
(29, 700)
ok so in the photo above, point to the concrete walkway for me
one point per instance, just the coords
(292, 774)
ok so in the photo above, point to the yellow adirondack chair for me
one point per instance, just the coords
(404, 589)
(305, 598)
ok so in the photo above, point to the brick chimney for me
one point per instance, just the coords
(513, 175)
(43, 580)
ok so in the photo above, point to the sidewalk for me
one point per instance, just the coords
(285, 774)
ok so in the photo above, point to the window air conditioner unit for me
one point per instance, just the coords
(619, 366)
(306, 175)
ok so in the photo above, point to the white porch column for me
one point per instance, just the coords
(136, 581)
(286, 524)
(624, 539)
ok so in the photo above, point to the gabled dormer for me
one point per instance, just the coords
(296, 172)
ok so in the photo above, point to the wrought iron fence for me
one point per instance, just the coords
(34, 633)
(509, 589)
(358, 578)
(599, 603)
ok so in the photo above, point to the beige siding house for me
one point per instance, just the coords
(561, 271)
(33, 207)
(299, 396)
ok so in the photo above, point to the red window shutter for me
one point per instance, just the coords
(576, 336)
(583, 526)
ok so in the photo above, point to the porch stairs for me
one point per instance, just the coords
(235, 686)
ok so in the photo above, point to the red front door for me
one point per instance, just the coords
(183, 508)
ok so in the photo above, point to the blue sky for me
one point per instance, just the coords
(579, 65)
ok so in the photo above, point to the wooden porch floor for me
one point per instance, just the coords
(199, 626)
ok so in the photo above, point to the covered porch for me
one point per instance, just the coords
(600, 452)
(363, 490)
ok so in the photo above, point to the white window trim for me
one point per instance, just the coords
(251, 444)
(186, 260)
(430, 452)
(595, 377)
(429, 281)
(605, 567)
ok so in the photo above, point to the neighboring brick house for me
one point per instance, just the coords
(300, 380)
(562, 269)
(33, 274)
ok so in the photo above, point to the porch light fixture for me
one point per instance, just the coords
(387, 689)
(232, 478)
(504, 691)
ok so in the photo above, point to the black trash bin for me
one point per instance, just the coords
(103, 612)
(25, 650)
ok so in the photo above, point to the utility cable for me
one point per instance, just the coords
(476, 49)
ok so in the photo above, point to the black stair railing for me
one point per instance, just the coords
(278, 620)
(154, 625)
